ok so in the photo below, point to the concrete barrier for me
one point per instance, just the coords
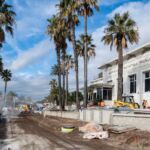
(63, 114)
(102, 116)
(106, 116)
(139, 121)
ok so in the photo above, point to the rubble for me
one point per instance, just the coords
(91, 127)
(93, 135)
(93, 130)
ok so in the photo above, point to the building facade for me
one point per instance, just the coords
(136, 77)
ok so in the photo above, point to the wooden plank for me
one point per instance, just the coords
(121, 129)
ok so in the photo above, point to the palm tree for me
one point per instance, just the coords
(12, 96)
(81, 47)
(63, 47)
(69, 63)
(1, 65)
(120, 31)
(1, 94)
(90, 47)
(6, 76)
(53, 91)
(55, 70)
(68, 10)
(86, 10)
(53, 83)
(7, 20)
(56, 31)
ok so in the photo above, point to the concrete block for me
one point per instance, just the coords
(88, 115)
(106, 116)
(139, 121)
(81, 115)
(97, 116)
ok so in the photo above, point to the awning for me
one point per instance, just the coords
(101, 85)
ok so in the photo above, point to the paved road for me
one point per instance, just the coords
(29, 133)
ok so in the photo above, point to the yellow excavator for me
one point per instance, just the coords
(127, 101)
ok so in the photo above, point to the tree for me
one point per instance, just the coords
(1, 97)
(53, 31)
(1, 94)
(81, 47)
(53, 84)
(86, 9)
(12, 94)
(7, 20)
(69, 63)
(6, 76)
(21, 98)
(121, 31)
(1, 65)
(72, 97)
(90, 47)
(55, 70)
(53, 91)
(68, 10)
(64, 47)
(11, 98)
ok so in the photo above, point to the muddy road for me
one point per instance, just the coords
(33, 132)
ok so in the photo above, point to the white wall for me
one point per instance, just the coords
(135, 65)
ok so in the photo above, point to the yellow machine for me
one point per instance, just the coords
(25, 108)
(127, 101)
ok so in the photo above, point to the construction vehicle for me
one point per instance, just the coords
(127, 101)
(24, 108)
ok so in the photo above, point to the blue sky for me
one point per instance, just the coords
(30, 53)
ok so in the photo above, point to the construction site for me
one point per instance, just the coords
(90, 129)
(61, 86)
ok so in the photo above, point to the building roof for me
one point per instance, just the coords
(100, 85)
(130, 54)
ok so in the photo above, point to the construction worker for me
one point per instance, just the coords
(145, 104)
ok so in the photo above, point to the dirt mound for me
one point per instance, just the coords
(140, 138)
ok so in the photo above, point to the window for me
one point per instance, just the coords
(94, 96)
(132, 83)
(99, 94)
(147, 81)
(107, 94)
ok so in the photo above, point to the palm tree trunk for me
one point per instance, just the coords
(76, 66)
(59, 79)
(66, 102)
(5, 89)
(85, 61)
(63, 101)
(120, 73)
(63, 80)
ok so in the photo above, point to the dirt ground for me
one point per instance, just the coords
(33, 132)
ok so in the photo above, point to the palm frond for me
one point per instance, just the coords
(121, 30)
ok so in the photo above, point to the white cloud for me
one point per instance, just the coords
(29, 85)
(32, 18)
(31, 55)
(36, 60)
(111, 2)
(140, 13)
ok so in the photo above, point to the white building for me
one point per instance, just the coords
(136, 77)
